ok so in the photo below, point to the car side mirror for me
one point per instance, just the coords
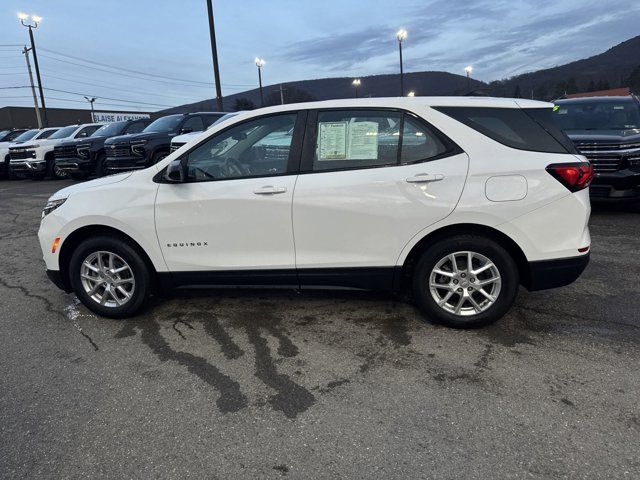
(186, 130)
(176, 172)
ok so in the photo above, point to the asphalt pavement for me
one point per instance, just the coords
(276, 384)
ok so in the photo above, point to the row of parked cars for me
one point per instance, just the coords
(79, 151)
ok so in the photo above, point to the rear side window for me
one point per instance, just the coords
(512, 127)
(352, 139)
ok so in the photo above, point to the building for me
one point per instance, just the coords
(25, 117)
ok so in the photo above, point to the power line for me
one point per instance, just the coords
(108, 98)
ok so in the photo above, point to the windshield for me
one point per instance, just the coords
(46, 133)
(109, 130)
(164, 124)
(28, 135)
(64, 132)
(598, 115)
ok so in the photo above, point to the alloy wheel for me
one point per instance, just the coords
(465, 283)
(107, 279)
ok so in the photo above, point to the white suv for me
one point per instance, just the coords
(460, 199)
(35, 158)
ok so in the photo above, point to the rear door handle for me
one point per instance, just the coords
(425, 178)
(269, 190)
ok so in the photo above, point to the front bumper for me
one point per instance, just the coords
(122, 164)
(75, 164)
(56, 278)
(28, 166)
(555, 273)
(616, 186)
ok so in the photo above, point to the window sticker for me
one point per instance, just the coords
(332, 141)
(363, 141)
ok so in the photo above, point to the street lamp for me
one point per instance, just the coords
(24, 20)
(401, 35)
(260, 63)
(411, 94)
(91, 100)
(356, 83)
(468, 69)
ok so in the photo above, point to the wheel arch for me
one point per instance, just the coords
(88, 231)
(406, 270)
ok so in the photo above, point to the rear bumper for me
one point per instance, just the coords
(555, 273)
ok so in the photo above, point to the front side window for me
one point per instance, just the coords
(356, 139)
(252, 149)
(512, 127)
(46, 134)
(193, 124)
(87, 131)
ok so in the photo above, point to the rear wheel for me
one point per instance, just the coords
(465, 281)
(109, 277)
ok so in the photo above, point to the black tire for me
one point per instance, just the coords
(486, 247)
(134, 260)
(7, 169)
(101, 170)
(54, 172)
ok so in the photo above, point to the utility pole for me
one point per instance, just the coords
(281, 95)
(214, 54)
(36, 20)
(25, 50)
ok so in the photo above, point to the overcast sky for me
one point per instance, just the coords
(298, 39)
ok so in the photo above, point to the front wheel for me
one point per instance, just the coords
(109, 277)
(465, 281)
(53, 171)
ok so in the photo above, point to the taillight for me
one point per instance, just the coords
(574, 176)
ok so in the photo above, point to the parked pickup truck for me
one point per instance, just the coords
(35, 158)
(606, 130)
(180, 140)
(86, 156)
(135, 152)
(33, 134)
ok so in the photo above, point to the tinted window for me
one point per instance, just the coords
(546, 118)
(135, 127)
(87, 131)
(47, 133)
(9, 137)
(356, 139)
(418, 143)
(164, 124)
(598, 115)
(193, 124)
(28, 135)
(256, 148)
(64, 132)
(510, 126)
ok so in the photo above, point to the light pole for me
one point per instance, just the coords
(356, 83)
(24, 20)
(214, 55)
(91, 100)
(468, 71)
(260, 63)
(401, 35)
(25, 50)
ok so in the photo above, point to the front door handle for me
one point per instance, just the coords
(269, 190)
(425, 178)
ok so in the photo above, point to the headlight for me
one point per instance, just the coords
(32, 146)
(137, 147)
(52, 205)
(83, 151)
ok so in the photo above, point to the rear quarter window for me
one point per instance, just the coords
(513, 127)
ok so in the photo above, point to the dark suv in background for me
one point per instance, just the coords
(133, 152)
(83, 157)
(606, 130)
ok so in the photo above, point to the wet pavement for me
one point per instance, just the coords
(275, 384)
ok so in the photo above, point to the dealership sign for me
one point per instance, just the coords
(109, 117)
